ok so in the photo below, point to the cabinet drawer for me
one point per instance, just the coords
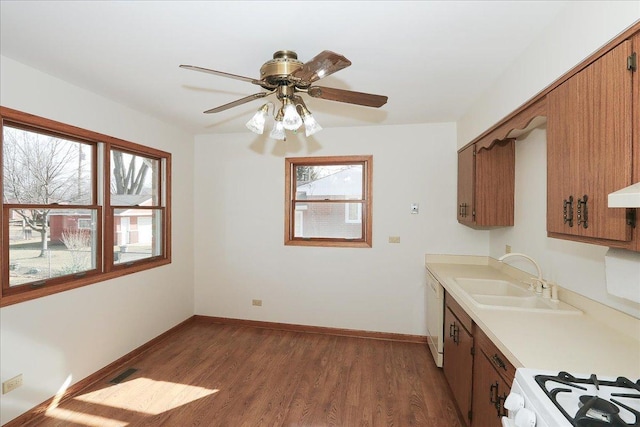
(501, 364)
(459, 312)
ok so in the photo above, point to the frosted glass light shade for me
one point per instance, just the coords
(311, 126)
(291, 120)
(256, 123)
(278, 131)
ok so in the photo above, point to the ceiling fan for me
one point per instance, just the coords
(286, 77)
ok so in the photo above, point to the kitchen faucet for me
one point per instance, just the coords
(541, 282)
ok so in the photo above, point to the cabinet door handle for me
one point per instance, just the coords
(502, 411)
(498, 362)
(493, 393)
(583, 212)
(454, 333)
(567, 211)
(462, 210)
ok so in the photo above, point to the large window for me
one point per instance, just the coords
(77, 207)
(328, 201)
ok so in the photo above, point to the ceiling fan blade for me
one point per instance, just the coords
(348, 96)
(238, 102)
(223, 74)
(322, 65)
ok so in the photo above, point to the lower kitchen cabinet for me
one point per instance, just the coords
(478, 374)
(458, 357)
(492, 377)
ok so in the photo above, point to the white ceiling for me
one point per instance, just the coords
(431, 58)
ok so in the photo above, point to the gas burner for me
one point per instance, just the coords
(592, 402)
(594, 409)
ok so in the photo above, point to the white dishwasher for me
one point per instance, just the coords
(435, 317)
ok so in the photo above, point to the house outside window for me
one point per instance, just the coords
(66, 194)
(353, 213)
(328, 201)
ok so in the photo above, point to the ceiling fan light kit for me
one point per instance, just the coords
(311, 126)
(285, 76)
(278, 131)
(256, 123)
(291, 119)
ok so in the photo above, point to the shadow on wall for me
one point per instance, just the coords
(295, 143)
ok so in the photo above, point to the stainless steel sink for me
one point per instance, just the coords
(506, 295)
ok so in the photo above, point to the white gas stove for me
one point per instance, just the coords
(560, 399)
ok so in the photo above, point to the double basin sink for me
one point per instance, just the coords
(506, 295)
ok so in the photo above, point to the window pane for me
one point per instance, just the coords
(326, 220)
(44, 169)
(46, 243)
(138, 234)
(134, 180)
(333, 182)
(353, 213)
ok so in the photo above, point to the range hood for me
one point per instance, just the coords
(628, 197)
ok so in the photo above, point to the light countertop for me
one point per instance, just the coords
(600, 340)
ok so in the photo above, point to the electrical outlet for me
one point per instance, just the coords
(256, 302)
(394, 239)
(11, 384)
(507, 249)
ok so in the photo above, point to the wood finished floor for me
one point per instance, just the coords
(223, 375)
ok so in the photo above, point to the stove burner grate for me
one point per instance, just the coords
(593, 411)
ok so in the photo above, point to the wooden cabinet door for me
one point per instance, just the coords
(458, 362)
(589, 151)
(486, 184)
(562, 160)
(636, 138)
(489, 392)
(495, 184)
(466, 184)
(492, 378)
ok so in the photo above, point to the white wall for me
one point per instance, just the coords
(239, 221)
(579, 31)
(576, 266)
(75, 333)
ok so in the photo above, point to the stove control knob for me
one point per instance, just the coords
(525, 418)
(514, 402)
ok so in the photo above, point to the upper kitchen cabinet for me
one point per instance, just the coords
(590, 131)
(486, 182)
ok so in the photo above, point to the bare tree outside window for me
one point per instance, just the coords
(40, 169)
(78, 243)
(78, 207)
(130, 173)
(136, 206)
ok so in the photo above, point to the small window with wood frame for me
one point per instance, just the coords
(78, 207)
(328, 201)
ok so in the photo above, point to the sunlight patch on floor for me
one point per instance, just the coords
(80, 418)
(146, 396)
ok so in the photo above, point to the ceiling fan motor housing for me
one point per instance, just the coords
(278, 69)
